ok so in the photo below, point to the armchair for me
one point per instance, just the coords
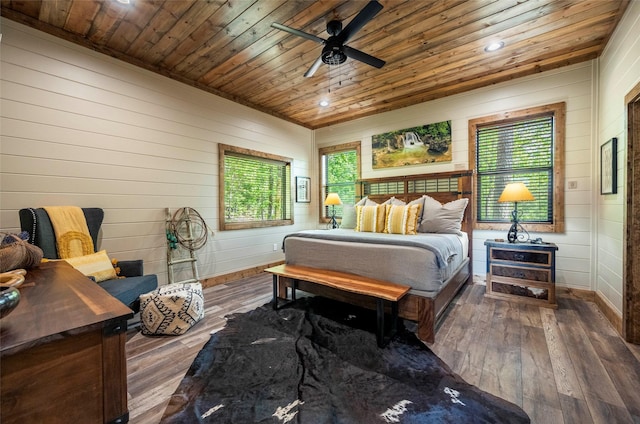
(128, 290)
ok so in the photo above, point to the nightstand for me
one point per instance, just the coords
(523, 272)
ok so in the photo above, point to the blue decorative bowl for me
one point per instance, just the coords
(9, 299)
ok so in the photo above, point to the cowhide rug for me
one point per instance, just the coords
(316, 362)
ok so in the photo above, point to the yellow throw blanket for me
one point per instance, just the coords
(71, 230)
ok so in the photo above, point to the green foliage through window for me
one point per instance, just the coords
(340, 173)
(257, 189)
(517, 151)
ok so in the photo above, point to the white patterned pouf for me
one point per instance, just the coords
(172, 309)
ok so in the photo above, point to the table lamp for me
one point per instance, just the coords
(515, 192)
(332, 200)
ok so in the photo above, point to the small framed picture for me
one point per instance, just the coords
(609, 167)
(303, 189)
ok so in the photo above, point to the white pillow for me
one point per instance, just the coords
(439, 218)
(393, 201)
(365, 201)
(418, 201)
(348, 217)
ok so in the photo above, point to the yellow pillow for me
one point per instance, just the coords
(97, 265)
(370, 218)
(402, 219)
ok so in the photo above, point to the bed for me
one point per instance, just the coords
(434, 274)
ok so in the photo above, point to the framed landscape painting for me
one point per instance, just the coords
(412, 146)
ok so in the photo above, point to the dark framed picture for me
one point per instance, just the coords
(609, 167)
(303, 189)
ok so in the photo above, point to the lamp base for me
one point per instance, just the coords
(512, 235)
(333, 224)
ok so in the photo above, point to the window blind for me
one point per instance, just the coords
(517, 151)
(256, 188)
(340, 176)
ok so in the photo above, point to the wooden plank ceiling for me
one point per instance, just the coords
(432, 48)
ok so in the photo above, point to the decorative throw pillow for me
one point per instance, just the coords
(97, 265)
(418, 201)
(348, 217)
(402, 219)
(439, 218)
(370, 218)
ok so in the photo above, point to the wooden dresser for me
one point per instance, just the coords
(523, 272)
(62, 351)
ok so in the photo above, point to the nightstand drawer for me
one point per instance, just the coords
(521, 273)
(532, 257)
(520, 290)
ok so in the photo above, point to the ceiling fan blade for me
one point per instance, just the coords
(363, 57)
(313, 68)
(298, 33)
(365, 15)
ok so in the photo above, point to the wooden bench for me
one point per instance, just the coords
(380, 290)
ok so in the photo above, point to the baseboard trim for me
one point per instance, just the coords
(601, 302)
(609, 312)
(588, 295)
(237, 275)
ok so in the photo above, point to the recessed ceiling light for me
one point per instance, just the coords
(124, 1)
(324, 103)
(494, 46)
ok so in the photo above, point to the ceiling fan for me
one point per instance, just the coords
(334, 51)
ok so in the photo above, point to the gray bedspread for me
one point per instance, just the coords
(443, 246)
(400, 259)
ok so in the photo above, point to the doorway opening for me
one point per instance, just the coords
(631, 255)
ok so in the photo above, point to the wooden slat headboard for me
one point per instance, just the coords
(442, 186)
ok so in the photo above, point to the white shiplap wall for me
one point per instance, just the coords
(619, 69)
(81, 128)
(573, 85)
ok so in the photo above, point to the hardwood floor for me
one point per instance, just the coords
(156, 365)
(561, 366)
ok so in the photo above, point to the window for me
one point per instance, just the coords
(340, 170)
(256, 189)
(523, 146)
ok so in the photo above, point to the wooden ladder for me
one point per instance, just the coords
(173, 246)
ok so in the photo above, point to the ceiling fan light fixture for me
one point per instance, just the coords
(492, 47)
(336, 51)
(333, 55)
